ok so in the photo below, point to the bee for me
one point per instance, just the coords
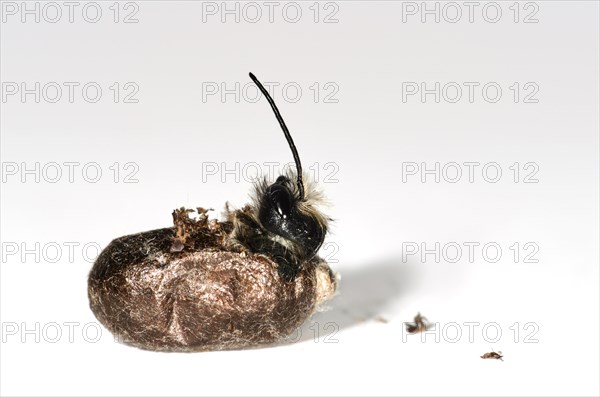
(420, 324)
(493, 355)
(248, 280)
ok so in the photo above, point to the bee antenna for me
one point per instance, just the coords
(286, 132)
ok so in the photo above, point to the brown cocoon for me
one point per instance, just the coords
(187, 289)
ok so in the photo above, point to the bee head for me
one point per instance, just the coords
(281, 211)
(286, 208)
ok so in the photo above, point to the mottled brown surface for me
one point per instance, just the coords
(181, 289)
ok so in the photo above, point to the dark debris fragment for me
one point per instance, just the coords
(189, 232)
(420, 324)
(493, 355)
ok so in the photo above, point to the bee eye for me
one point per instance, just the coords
(281, 201)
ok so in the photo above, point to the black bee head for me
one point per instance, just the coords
(284, 213)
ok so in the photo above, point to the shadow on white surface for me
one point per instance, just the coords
(364, 294)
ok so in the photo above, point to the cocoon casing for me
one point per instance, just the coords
(187, 289)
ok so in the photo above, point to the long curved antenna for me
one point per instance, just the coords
(286, 132)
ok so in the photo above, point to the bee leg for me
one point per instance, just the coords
(287, 270)
(255, 240)
(287, 265)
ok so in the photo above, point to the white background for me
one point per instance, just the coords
(359, 144)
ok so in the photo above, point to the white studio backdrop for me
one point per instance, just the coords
(456, 141)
